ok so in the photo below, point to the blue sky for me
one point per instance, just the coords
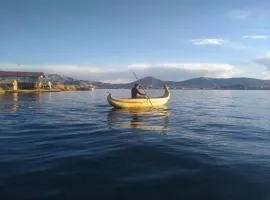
(106, 40)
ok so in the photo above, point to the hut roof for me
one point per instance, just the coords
(20, 74)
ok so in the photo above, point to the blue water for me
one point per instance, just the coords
(73, 145)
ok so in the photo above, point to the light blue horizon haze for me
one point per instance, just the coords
(104, 39)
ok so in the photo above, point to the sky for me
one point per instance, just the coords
(107, 40)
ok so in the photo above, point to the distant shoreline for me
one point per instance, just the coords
(37, 91)
(58, 90)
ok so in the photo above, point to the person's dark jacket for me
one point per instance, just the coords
(135, 91)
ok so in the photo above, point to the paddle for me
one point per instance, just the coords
(138, 80)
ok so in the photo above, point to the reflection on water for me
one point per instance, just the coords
(39, 97)
(12, 102)
(9, 102)
(146, 119)
(15, 103)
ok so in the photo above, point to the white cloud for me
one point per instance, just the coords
(220, 42)
(206, 69)
(113, 81)
(51, 68)
(208, 41)
(138, 66)
(164, 71)
(198, 66)
(254, 37)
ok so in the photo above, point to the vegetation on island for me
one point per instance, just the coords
(2, 91)
(58, 83)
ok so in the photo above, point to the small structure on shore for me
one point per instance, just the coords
(15, 85)
(21, 80)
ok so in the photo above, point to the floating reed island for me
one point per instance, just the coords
(29, 82)
(55, 88)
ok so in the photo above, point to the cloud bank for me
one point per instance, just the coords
(166, 71)
(255, 37)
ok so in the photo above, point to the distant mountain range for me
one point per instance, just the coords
(57, 79)
(196, 83)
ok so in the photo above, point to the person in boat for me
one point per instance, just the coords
(136, 93)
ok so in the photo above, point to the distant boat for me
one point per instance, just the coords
(140, 102)
(86, 88)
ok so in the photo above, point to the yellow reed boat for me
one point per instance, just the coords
(140, 102)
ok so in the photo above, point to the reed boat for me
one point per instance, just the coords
(140, 102)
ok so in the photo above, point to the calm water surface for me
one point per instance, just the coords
(73, 145)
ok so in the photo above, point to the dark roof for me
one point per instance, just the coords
(20, 74)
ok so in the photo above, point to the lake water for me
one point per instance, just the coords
(73, 145)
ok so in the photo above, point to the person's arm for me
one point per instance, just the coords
(141, 93)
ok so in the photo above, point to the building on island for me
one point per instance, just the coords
(21, 80)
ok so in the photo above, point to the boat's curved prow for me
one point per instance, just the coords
(140, 102)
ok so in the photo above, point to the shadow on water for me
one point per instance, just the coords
(145, 119)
